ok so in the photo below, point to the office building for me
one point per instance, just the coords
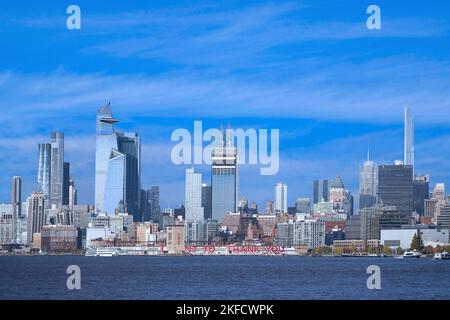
(193, 196)
(56, 238)
(403, 237)
(44, 170)
(207, 201)
(439, 192)
(7, 224)
(57, 169)
(66, 183)
(153, 203)
(409, 140)
(310, 233)
(421, 187)
(281, 197)
(175, 239)
(224, 178)
(368, 184)
(443, 219)
(200, 233)
(16, 196)
(285, 234)
(337, 190)
(73, 194)
(36, 215)
(303, 205)
(321, 191)
(395, 187)
(117, 167)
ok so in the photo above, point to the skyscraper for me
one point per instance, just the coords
(36, 215)
(73, 194)
(409, 139)
(16, 203)
(66, 183)
(281, 197)
(337, 190)
(224, 178)
(421, 190)
(207, 201)
(193, 196)
(117, 167)
(16, 196)
(321, 191)
(44, 170)
(303, 205)
(153, 203)
(57, 169)
(368, 184)
(395, 187)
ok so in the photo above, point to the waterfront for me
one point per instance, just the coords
(217, 277)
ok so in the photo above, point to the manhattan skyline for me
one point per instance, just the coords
(333, 92)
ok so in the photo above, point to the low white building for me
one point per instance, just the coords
(96, 233)
(395, 238)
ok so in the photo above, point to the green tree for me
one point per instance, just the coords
(417, 243)
(387, 250)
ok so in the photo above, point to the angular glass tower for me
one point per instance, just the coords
(224, 178)
(117, 167)
(43, 178)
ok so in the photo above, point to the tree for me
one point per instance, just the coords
(387, 250)
(417, 243)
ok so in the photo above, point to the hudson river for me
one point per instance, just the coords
(233, 277)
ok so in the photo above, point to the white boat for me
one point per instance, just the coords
(412, 254)
(102, 252)
(441, 256)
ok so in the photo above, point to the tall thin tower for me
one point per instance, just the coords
(409, 139)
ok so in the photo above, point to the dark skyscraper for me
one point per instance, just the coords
(145, 212)
(66, 183)
(207, 201)
(421, 191)
(395, 187)
(153, 203)
(321, 191)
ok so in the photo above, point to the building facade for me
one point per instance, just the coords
(224, 178)
(395, 187)
(117, 167)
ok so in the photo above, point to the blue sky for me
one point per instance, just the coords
(309, 68)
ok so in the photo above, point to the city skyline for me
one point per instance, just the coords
(335, 86)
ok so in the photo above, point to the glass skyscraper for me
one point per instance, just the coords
(224, 178)
(117, 167)
(321, 191)
(57, 169)
(395, 187)
(281, 197)
(193, 196)
(368, 184)
(43, 178)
